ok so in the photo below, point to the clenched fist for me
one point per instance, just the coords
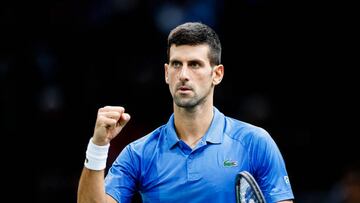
(109, 122)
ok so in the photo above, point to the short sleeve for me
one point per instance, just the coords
(121, 179)
(268, 168)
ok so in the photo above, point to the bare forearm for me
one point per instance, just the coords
(91, 187)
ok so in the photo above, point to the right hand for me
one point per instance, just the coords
(109, 122)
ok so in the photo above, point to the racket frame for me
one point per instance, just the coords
(253, 184)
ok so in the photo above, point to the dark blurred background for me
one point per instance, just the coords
(289, 68)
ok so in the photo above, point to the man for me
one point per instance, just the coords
(196, 156)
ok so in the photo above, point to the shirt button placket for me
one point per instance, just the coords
(192, 174)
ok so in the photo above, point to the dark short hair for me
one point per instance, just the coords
(195, 33)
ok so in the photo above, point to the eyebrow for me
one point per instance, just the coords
(196, 61)
(190, 61)
(174, 60)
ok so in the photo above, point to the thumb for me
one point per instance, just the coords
(124, 119)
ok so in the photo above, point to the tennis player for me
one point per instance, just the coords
(197, 154)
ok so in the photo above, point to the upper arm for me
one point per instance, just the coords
(110, 199)
(122, 177)
(269, 169)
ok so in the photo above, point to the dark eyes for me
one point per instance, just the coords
(193, 65)
(176, 64)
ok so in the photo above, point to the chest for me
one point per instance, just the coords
(210, 169)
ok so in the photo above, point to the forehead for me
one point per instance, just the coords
(189, 52)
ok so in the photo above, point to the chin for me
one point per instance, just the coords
(186, 104)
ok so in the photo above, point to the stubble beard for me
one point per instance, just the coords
(190, 102)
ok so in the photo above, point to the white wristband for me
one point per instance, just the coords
(96, 156)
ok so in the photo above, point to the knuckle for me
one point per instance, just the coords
(117, 114)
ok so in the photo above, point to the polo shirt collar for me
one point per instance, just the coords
(213, 135)
(216, 130)
(171, 135)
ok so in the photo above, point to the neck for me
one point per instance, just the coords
(192, 124)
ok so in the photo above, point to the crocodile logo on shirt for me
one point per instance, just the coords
(229, 163)
(287, 181)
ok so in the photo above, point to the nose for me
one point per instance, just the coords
(184, 73)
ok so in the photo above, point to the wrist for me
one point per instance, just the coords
(99, 141)
(96, 156)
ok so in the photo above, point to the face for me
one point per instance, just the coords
(190, 77)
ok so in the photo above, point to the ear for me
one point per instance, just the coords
(166, 67)
(218, 74)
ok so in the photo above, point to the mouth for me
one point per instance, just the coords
(184, 89)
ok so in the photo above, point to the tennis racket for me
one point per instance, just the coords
(247, 190)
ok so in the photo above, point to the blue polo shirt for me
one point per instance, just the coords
(163, 168)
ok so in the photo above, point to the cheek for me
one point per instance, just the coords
(170, 82)
(204, 79)
(172, 78)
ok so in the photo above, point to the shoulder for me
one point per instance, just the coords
(147, 142)
(245, 133)
(133, 156)
(138, 155)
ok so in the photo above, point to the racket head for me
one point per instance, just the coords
(247, 189)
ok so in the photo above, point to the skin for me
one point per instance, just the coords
(109, 122)
(191, 81)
